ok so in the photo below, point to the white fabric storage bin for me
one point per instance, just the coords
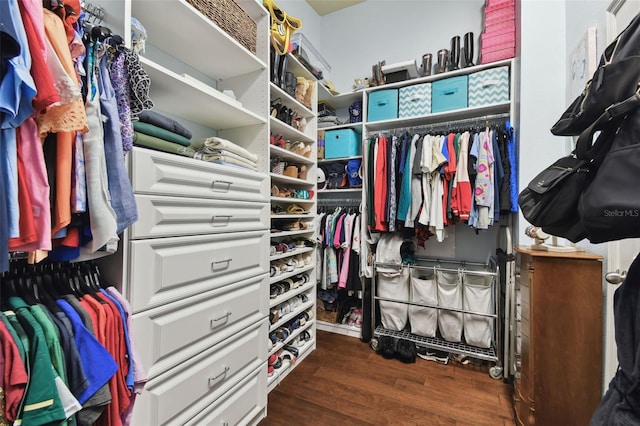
(478, 297)
(423, 321)
(449, 296)
(394, 285)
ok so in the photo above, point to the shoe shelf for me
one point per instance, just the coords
(291, 293)
(282, 372)
(291, 337)
(289, 274)
(487, 354)
(291, 253)
(292, 200)
(279, 233)
(286, 179)
(225, 58)
(291, 315)
(344, 329)
(290, 101)
(292, 157)
(191, 98)
(291, 216)
(289, 132)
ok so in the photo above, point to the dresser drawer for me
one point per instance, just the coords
(176, 332)
(244, 404)
(164, 270)
(175, 216)
(182, 392)
(160, 173)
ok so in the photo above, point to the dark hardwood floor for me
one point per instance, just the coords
(344, 382)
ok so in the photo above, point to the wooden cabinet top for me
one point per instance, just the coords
(565, 255)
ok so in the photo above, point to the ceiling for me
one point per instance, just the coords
(324, 7)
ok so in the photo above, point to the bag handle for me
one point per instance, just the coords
(588, 150)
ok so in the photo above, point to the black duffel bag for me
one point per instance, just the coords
(551, 199)
(615, 80)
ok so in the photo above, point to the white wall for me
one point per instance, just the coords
(355, 38)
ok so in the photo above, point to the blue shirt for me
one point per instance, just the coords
(99, 365)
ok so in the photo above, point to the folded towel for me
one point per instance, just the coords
(157, 119)
(159, 132)
(147, 141)
(206, 150)
(218, 158)
(220, 143)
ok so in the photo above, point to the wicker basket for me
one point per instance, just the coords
(229, 16)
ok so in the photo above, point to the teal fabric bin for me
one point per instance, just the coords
(341, 143)
(382, 105)
(449, 94)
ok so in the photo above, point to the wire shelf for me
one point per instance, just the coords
(487, 354)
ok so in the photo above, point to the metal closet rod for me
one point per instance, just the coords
(485, 120)
(340, 202)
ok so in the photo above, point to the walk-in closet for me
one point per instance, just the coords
(309, 212)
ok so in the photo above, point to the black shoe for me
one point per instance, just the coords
(282, 69)
(386, 347)
(406, 351)
(274, 62)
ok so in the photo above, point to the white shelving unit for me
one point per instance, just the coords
(341, 105)
(293, 135)
(477, 115)
(195, 266)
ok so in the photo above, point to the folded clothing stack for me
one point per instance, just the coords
(162, 133)
(223, 151)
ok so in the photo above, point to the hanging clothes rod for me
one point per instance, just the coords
(337, 202)
(485, 120)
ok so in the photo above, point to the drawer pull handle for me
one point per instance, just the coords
(220, 318)
(212, 380)
(225, 423)
(222, 219)
(226, 261)
(226, 183)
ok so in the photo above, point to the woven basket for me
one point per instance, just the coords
(229, 16)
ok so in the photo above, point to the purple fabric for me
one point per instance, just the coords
(120, 83)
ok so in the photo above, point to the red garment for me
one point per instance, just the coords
(454, 205)
(27, 226)
(380, 186)
(120, 354)
(68, 19)
(14, 374)
(447, 177)
(64, 169)
(46, 93)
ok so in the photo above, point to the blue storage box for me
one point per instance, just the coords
(414, 100)
(449, 94)
(383, 105)
(489, 86)
(341, 143)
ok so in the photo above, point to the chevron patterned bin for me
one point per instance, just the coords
(489, 86)
(414, 100)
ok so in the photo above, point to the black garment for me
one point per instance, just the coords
(10, 49)
(620, 405)
(505, 188)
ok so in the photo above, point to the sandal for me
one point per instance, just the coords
(296, 209)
